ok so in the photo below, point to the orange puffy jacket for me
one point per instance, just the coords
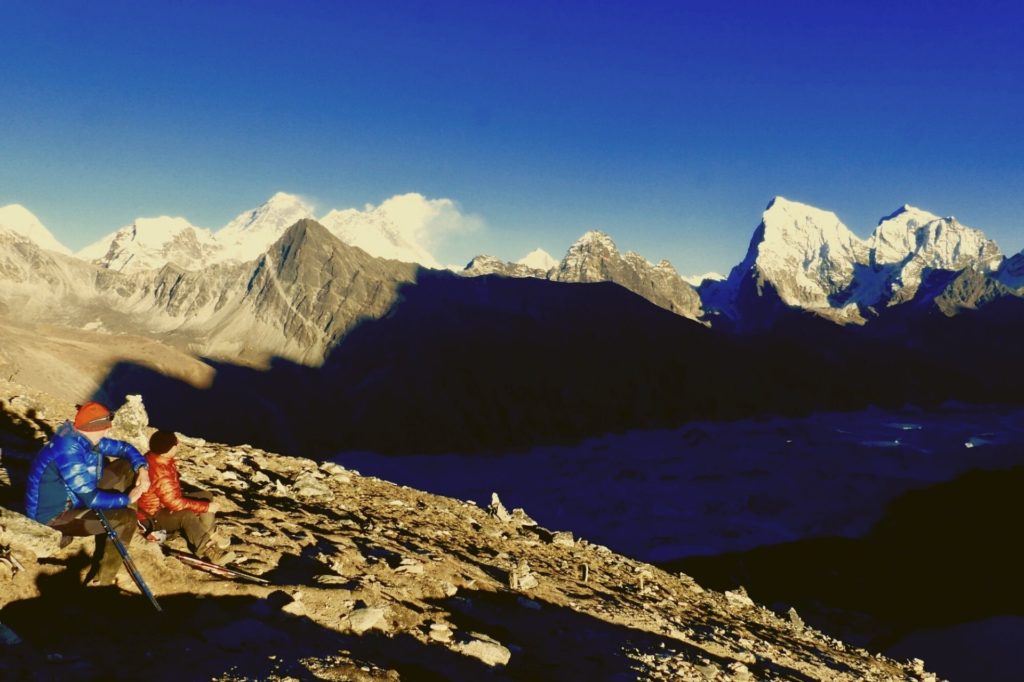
(165, 490)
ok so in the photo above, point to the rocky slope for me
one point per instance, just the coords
(373, 581)
(294, 301)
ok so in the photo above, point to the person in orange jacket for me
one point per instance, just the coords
(164, 507)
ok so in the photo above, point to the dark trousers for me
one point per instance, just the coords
(195, 527)
(117, 476)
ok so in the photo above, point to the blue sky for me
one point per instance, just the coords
(668, 125)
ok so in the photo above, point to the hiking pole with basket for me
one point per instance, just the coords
(128, 563)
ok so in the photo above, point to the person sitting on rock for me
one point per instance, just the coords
(70, 478)
(164, 507)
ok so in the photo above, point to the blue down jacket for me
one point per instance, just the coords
(70, 464)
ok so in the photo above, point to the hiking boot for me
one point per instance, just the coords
(218, 540)
(218, 555)
(120, 581)
(97, 581)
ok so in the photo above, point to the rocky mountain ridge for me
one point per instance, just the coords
(294, 301)
(374, 581)
(595, 258)
(391, 231)
(800, 258)
(151, 243)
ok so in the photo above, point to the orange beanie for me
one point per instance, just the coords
(92, 416)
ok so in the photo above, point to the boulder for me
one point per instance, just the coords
(361, 620)
(486, 649)
(23, 534)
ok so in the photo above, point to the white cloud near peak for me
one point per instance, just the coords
(426, 221)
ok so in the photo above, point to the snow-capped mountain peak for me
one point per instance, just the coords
(19, 220)
(806, 252)
(941, 243)
(394, 230)
(249, 234)
(697, 280)
(538, 259)
(910, 215)
(594, 238)
(149, 243)
(791, 223)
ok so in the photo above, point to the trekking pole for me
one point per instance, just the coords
(128, 563)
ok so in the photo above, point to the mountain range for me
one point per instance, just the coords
(503, 354)
(799, 257)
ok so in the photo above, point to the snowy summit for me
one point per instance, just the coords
(150, 243)
(248, 236)
(538, 259)
(398, 229)
(17, 219)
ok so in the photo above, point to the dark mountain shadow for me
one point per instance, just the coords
(492, 363)
(463, 364)
(942, 555)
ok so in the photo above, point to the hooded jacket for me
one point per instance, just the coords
(65, 473)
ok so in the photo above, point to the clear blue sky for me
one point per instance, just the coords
(667, 125)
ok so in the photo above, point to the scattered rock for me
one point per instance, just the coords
(308, 484)
(408, 565)
(364, 619)
(520, 518)
(488, 650)
(521, 578)
(333, 468)
(795, 620)
(740, 672)
(563, 538)
(739, 597)
(294, 608)
(441, 632)
(497, 509)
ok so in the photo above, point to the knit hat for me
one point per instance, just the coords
(162, 441)
(92, 416)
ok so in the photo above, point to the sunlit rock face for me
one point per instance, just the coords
(595, 258)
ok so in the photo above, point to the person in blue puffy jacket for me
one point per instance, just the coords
(70, 477)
